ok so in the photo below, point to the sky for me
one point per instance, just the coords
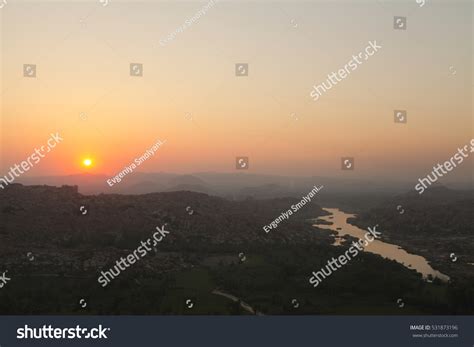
(190, 96)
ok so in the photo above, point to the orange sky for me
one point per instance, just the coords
(83, 52)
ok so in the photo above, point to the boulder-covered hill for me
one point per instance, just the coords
(49, 217)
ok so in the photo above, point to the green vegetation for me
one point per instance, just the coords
(268, 281)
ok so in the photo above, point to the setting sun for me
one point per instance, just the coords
(87, 162)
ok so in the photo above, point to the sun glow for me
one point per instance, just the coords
(87, 162)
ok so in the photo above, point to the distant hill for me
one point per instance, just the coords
(238, 185)
(265, 191)
(187, 180)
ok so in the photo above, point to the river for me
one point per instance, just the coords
(339, 224)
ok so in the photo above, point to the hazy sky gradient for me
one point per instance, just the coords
(83, 67)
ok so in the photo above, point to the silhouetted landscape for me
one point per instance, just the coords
(55, 254)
